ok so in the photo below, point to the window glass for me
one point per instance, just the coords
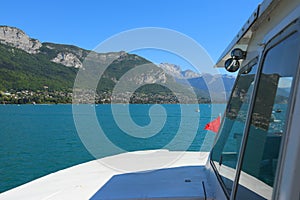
(226, 150)
(268, 120)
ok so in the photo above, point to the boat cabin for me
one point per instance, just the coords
(257, 151)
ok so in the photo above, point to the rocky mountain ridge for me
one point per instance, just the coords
(67, 55)
(17, 38)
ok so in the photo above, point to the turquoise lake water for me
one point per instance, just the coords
(40, 139)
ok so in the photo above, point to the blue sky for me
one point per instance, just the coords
(212, 24)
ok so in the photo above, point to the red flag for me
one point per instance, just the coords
(213, 125)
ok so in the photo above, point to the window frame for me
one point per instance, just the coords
(251, 63)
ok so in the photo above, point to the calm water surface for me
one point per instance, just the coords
(39, 139)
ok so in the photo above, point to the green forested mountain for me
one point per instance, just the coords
(20, 70)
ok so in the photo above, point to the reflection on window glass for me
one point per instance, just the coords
(268, 120)
(226, 150)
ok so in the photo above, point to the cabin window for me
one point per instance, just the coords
(226, 150)
(268, 120)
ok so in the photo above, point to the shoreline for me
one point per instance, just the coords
(116, 104)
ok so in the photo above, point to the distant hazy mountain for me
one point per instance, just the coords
(204, 82)
(189, 74)
(212, 82)
(176, 72)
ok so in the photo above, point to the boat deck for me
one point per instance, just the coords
(157, 174)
